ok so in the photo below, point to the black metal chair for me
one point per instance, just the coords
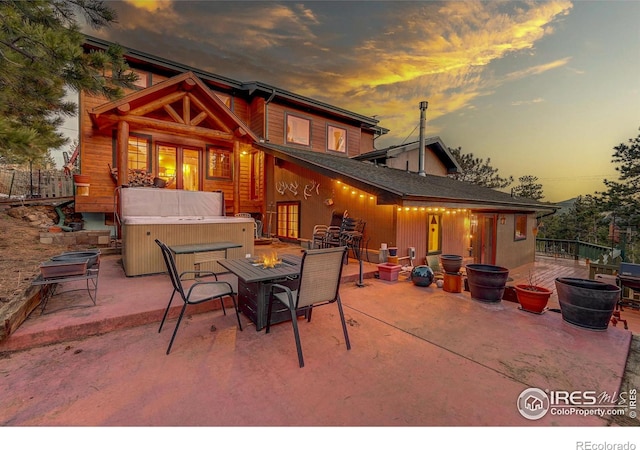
(320, 274)
(198, 292)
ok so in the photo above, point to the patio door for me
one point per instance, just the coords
(288, 220)
(179, 166)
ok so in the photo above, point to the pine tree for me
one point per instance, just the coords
(528, 188)
(623, 196)
(41, 55)
(477, 171)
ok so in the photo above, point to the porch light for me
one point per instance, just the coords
(503, 220)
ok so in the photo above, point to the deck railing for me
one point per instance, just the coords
(566, 248)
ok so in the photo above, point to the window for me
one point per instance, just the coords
(138, 151)
(256, 176)
(219, 163)
(336, 139)
(520, 227)
(298, 130)
(288, 219)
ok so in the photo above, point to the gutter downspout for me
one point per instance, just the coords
(421, 150)
(266, 114)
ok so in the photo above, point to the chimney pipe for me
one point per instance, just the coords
(421, 151)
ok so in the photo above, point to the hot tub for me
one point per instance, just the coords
(141, 227)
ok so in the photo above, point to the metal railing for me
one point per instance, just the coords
(566, 248)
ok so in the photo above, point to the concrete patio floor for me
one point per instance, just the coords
(420, 357)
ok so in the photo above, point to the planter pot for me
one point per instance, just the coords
(587, 303)
(82, 179)
(91, 256)
(422, 276)
(393, 251)
(452, 282)
(487, 282)
(532, 298)
(388, 271)
(451, 263)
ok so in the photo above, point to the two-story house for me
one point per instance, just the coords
(289, 160)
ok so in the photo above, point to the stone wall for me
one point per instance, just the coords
(85, 238)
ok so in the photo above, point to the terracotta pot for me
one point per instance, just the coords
(532, 298)
(81, 179)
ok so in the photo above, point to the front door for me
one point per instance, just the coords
(487, 236)
(179, 166)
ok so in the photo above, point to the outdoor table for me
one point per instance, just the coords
(191, 256)
(50, 285)
(254, 284)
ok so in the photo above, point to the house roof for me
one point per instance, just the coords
(248, 89)
(434, 143)
(398, 187)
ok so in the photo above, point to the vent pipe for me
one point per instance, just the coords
(421, 151)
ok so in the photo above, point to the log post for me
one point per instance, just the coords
(122, 149)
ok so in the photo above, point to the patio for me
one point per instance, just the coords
(420, 357)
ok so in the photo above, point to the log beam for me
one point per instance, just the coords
(172, 112)
(157, 104)
(173, 127)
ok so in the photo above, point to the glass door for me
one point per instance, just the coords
(179, 167)
(288, 219)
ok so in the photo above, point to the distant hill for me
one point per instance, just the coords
(566, 205)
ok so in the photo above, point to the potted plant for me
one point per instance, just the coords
(532, 297)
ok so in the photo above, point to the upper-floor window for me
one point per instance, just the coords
(298, 130)
(219, 164)
(336, 139)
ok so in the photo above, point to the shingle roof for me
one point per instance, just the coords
(434, 143)
(393, 186)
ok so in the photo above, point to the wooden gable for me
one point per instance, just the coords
(180, 105)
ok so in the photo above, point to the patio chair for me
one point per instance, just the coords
(319, 285)
(198, 292)
(319, 234)
(433, 261)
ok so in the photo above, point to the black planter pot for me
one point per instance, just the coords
(587, 303)
(90, 255)
(487, 282)
(451, 263)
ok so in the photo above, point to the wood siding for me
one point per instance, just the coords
(413, 227)
(276, 125)
(314, 209)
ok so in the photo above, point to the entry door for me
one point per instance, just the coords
(179, 166)
(488, 239)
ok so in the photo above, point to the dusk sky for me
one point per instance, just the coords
(541, 88)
